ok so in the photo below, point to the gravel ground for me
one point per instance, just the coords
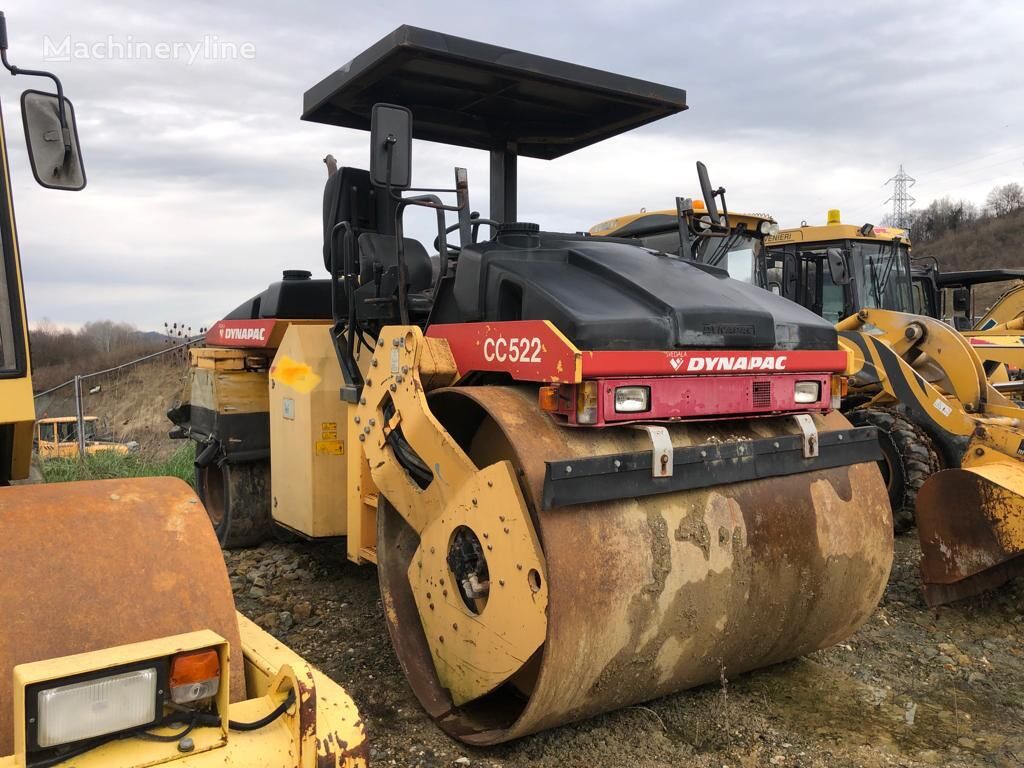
(913, 687)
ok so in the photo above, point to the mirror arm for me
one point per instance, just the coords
(65, 131)
(725, 209)
(683, 206)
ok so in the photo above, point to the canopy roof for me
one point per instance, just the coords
(472, 94)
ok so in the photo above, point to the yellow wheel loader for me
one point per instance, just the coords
(941, 400)
(948, 431)
(589, 473)
(120, 644)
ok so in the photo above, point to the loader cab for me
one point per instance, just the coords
(737, 250)
(837, 269)
(978, 299)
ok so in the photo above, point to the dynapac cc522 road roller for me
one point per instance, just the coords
(589, 473)
(120, 644)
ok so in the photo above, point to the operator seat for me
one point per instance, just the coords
(378, 251)
(349, 196)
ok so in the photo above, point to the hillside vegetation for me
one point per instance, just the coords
(58, 354)
(958, 235)
(992, 242)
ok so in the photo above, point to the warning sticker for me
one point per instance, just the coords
(330, 447)
(329, 430)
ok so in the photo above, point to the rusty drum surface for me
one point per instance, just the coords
(654, 595)
(97, 564)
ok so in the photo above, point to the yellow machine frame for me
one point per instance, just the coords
(970, 515)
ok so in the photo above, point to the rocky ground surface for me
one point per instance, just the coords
(913, 687)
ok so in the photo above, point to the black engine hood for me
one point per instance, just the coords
(611, 294)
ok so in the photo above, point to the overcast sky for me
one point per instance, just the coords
(204, 184)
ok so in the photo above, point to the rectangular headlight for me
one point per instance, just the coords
(90, 708)
(632, 399)
(807, 392)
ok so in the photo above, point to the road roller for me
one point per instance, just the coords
(589, 472)
(120, 644)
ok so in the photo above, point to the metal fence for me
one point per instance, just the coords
(76, 382)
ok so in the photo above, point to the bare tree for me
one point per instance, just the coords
(107, 335)
(940, 217)
(1002, 200)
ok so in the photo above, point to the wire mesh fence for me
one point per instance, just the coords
(115, 408)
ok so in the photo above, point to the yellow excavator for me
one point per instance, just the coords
(588, 472)
(120, 644)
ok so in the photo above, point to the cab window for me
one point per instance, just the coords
(815, 289)
(8, 306)
(46, 432)
(882, 273)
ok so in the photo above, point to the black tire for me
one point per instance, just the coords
(237, 500)
(909, 459)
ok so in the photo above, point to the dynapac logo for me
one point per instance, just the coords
(243, 334)
(737, 363)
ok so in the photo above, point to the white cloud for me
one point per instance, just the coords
(203, 183)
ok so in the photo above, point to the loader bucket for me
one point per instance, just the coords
(971, 526)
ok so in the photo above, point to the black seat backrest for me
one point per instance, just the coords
(350, 196)
(380, 249)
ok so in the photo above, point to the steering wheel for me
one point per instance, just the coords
(475, 227)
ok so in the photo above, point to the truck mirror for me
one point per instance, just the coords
(837, 266)
(708, 192)
(53, 151)
(962, 300)
(391, 146)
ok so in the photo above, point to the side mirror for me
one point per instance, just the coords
(53, 152)
(391, 146)
(708, 192)
(962, 300)
(838, 267)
